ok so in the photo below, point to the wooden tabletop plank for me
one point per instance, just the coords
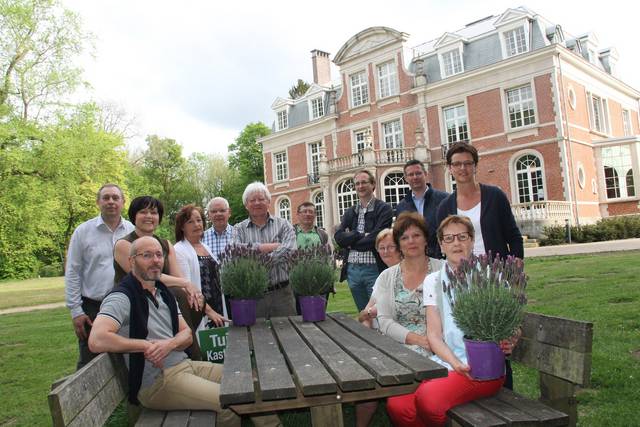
(385, 369)
(308, 371)
(274, 377)
(423, 367)
(345, 370)
(237, 380)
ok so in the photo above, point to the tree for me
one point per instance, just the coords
(39, 40)
(245, 157)
(299, 89)
(49, 175)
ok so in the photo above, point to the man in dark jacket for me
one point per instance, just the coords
(357, 233)
(424, 199)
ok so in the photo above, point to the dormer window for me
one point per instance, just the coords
(387, 79)
(515, 41)
(451, 63)
(359, 89)
(317, 107)
(283, 119)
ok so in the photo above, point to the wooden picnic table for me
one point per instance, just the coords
(316, 365)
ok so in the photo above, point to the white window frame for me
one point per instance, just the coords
(284, 212)
(346, 199)
(387, 78)
(511, 29)
(457, 119)
(598, 118)
(627, 127)
(397, 189)
(528, 175)
(359, 92)
(520, 106)
(395, 134)
(280, 166)
(621, 164)
(316, 107)
(313, 150)
(282, 119)
(318, 201)
(447, 58)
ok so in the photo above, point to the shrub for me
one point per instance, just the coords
(244, 273)
(488, 297)
(619, 227)
(312, 271)
(51, 270)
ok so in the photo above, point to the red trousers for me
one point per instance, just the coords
(429, 404)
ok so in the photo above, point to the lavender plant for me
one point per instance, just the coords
(487, 295)
(312, 271)
(244, 272)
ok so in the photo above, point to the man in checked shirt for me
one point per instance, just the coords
(270, 235)
(221, 232)
(357, 234)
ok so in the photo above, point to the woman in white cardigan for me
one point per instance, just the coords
(200, 267)
(399, 288)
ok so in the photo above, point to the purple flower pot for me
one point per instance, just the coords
(243, 312)
(485, 359)
(313, 308)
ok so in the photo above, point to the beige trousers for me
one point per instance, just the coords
(195, 385)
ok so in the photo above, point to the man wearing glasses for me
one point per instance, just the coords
(89, 268)
(357, 234)
(141, 318)
(423, 199)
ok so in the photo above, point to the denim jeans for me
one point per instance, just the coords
(361, 278)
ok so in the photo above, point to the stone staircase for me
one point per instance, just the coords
(530, 243)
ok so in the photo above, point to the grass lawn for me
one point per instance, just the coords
(39, 347)
(22, 293)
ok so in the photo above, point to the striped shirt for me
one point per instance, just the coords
(217, 242)
(365, 257)
(276, 230)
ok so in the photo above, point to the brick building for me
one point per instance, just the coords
(554, 126)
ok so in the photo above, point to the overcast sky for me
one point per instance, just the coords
(199, 71)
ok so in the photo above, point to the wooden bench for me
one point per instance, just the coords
(89, 396)
(560, 349)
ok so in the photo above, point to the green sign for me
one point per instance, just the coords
(212, 344)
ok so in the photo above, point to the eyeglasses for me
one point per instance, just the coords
(148, 256)
(361, 183)
(462, 237)
(460, 165)
(390, 248)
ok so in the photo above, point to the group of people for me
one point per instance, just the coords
(396, 275)
(130, 291)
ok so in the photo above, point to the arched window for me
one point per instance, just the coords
(529, 177)
(395, 188)
(618, 172)
(318, 200)
(284, 209)
(346, 194)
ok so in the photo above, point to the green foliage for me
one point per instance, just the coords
(488, 297)
(299, 89)
(613, 228)
(51, 270)
(245, 158)
(244, 273)
(39, 42)
(312, 272)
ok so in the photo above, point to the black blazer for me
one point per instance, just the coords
(432, 199)
(349, 239)
(500, 232)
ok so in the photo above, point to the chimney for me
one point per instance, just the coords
(321, 67)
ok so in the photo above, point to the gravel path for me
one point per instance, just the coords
(31, 308)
